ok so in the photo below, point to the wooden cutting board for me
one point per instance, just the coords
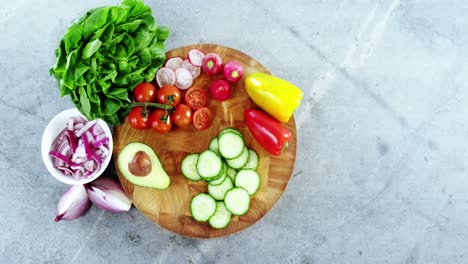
(170, 208)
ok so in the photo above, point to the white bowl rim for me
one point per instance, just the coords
(55, 126)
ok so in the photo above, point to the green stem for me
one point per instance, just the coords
(147, 104)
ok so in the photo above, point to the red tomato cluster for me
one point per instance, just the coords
(193, 111)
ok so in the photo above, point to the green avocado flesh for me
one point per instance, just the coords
(139, 164)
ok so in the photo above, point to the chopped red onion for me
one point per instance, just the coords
(87, 147)
(97, 130)
(87, 174)
(72, 139)
(104, 150)
(96, 158)
(78, 126)
(100, 136)
(90, 137)
(61, 157)
(80, 148)
(70, 124)
(65, 170)
(77, 174)
(79, 119)
(100, 142)
(85, 128)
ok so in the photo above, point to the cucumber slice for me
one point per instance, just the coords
(231, 173)
(217, 176)
(189, 167)
(209, 165)
(221, 218)
(214, 145)
(249, 180)
(202, 207)
(252, 162)
(237, 201)
(231, 129)
(240, 161)
(219, 191)
(230, 144)
(223, 176)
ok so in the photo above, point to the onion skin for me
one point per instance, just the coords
(106, 194)
(73, 204)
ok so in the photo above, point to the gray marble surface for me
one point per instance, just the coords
(381, 172)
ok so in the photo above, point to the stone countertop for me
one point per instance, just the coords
(381, 172)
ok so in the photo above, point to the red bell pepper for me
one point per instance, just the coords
(267, 131)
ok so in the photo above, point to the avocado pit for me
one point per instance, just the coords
(140, 165)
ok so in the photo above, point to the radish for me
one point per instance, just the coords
(220, 90)
(233, 71)
(193, 69)
(195, 56)
(212, 64)
(184, 78)
(174, 63)
(165, 76)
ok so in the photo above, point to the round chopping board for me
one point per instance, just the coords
(170, 208)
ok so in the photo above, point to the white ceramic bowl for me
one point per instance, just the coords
(55, 126)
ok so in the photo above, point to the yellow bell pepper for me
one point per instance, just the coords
(275, 96)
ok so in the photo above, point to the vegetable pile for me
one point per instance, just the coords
(175, 81)
(105, 54)
(176, 99)
(79, 150)
(230, 168)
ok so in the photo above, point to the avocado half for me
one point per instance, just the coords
(139, 164)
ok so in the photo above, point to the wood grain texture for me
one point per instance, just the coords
(170, 208)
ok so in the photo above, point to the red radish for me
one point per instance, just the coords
(195, 56)
(232, 71)
(174, 63)
(184, 78)
(212, 64)
(220, 90)
(193, 69)
(165, 76)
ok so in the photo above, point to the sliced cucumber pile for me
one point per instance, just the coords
(230, 169)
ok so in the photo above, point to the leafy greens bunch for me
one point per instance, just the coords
(105, 54)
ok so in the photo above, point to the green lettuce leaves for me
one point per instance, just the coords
(105, 54)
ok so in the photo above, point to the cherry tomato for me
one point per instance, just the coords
(169, 95)
(196, 98)
(202, 118)
(182, 116)
(160, 121)
(139, 118)
(145, 92)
